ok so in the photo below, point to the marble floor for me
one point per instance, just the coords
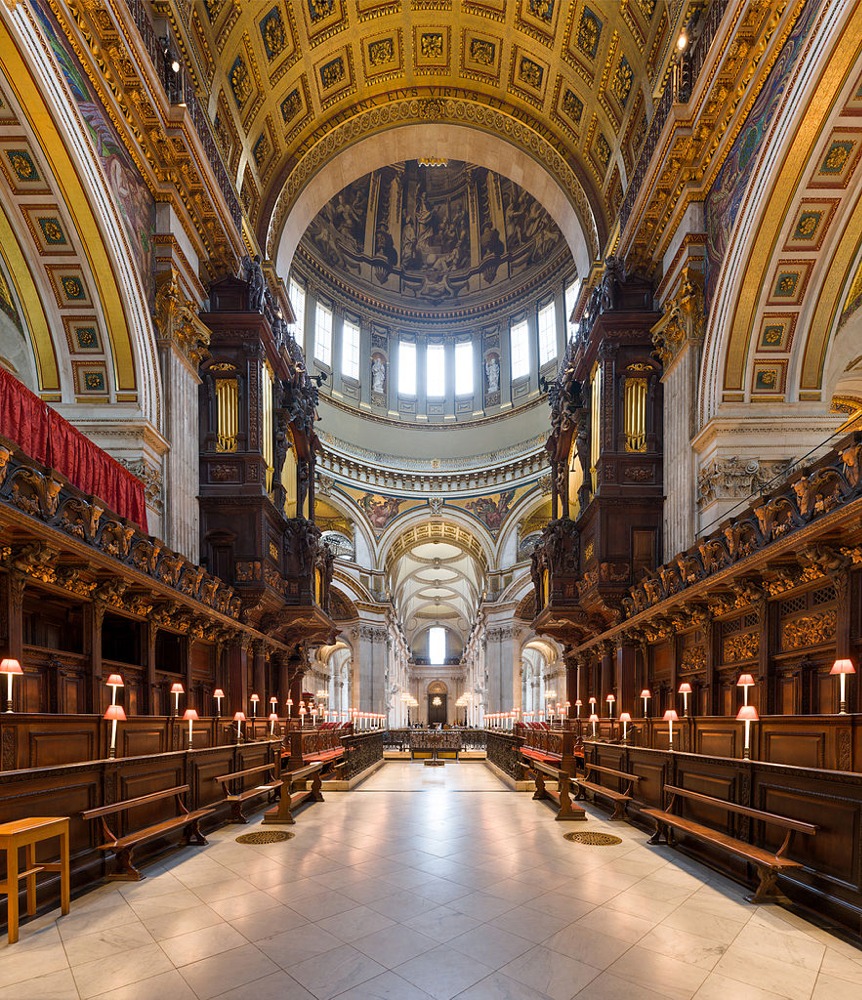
(427, 882)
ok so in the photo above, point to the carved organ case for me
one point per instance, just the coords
(257, 458)
(606, 453)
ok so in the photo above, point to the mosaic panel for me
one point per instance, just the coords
(839, 159)
(810, 225)
(48, 230)
(768, 378)
(69, 285)
(82, 335)
(789, 283)
(91, 378)
(776, 331)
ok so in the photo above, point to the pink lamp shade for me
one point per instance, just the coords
(10, 666)
(255, 697)
(625, 717)
(190, 715)
(239, 717)
(114, 681)
(671, 716)
(685, 688)
(747, 713)
(610, 699)
(745, 681)
(273, 701)
(115, 713)
(838, 667)
(273, 717)
(646, 693)
(218, 693)
(289, 701)
(177, 689)
(594, 718)
(578, 703)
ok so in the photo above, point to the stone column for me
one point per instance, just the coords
(373, 652)
(502, 659)
(182, 341)
(678, 337)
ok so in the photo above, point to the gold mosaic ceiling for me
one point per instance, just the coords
(291, 83)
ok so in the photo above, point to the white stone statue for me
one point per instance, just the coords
(492, 373)
(378, 375)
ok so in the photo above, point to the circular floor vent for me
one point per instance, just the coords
(593, 839)
(265, 837)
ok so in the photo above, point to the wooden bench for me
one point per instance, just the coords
(237, 799)
(619, 799)
(769, 864)
(290, 799)
(562, 796)
(124, 846)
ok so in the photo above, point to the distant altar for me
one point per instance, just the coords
(435, 744)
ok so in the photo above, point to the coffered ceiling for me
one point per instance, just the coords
(293, 83)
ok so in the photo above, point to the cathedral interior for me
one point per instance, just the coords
(451, 381)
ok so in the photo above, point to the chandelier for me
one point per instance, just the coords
(436, 701)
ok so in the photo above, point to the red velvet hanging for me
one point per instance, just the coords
(49, 439)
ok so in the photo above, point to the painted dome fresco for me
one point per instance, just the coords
(434, 236)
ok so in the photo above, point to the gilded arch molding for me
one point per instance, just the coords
(448, 126)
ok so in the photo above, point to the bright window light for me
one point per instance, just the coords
(350, 349)
(406, 368)
(297, 300)
(435, 370)
(323, 335)
(519, 336)
(572, 292)
(547, 333)
(437, 645)
(464, 368)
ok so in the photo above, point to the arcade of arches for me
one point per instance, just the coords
(469, 364)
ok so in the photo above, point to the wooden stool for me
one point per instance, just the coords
(27, 833)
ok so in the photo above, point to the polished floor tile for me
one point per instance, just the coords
(427, 883)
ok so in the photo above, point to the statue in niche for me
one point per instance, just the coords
(253, 274)
(378, 374)
(492, 374)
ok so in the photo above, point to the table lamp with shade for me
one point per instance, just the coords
(646, 694)
(670, 717)
(239, 719)
(625, 719)
(255, 698)
(685, 690)
(12, 668)
(610, 700)
(289, 704)
(578, 706)
(114, 713)
(745, 682)
(190, 716)
(113, 682)
(218, 694)
(594, 719)
(842, 668)
(176, 690)
(273, 718)
(747, 714)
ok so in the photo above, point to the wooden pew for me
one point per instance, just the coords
(237, 799)
(562, 796)
(290, 799)
(619, 799)
(769, 864)
(124, 846)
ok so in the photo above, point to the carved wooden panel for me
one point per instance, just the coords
(52, 747)
(803, 748)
